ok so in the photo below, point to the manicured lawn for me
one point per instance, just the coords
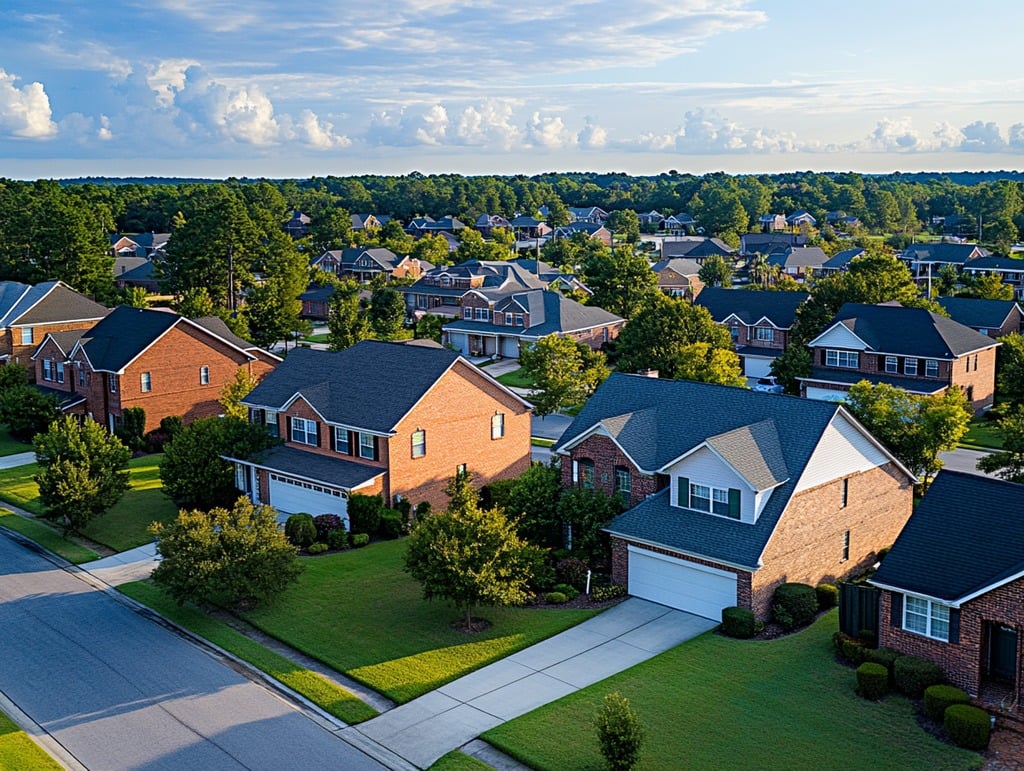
(516, 379)
(11, 446)
(720, 703)
(538, 441)
(983, 433)
(360, 613)
(18, 751)
(320, 338)
(47, 537)
(322, 692)
(458, 761)
(125, 525)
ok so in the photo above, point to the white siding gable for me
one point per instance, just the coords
(843, 450)
(839, 337)
(706, 468)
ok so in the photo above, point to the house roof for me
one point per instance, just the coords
(843, 258)
(994, 262)
(65, 341)
(216, 326)
(658, 421)
(943, 252)
(550, 313)
(695, 246)
(766, 242)
(849, 377)
(678, 265)
(972, 312)
(799, 257)
(45, 303)
(144, 272)
(909, 331)
(966, 536)
(752, 305)
(119, 338)
(336, 472)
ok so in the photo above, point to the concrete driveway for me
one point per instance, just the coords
(426, 728)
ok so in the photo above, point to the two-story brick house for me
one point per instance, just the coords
(440, 291)
(157, 360)
(910, 348)
(731, 493)
(760, 322)
(398, 420)
(992, 318)
(678, 277)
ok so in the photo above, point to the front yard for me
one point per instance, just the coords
(11, 446)
(18, 751)
(721, 703)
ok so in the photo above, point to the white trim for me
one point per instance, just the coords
(323, 482)
(676, 550)
(630, 548)
(564, 448)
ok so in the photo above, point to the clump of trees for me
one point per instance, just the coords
(564, 371)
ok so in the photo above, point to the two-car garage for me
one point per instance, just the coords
(291, 496)
(680, 584)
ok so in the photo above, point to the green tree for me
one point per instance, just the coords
(558, 213)
(763, 273)
(565, 372)
(584, 513)
(947, 281)
(84, 471)
(432, 249)
(429, 327)
(625, 224)
(234, 391)
(387, 312)
(706, 363)
(270, 314)
(27, 411)
(620, 283)
(12, 375)
(135, 297)
(330, 227)
(1008, 463)
(619, 733)
(1009, 369)
(533, 504)
(236, 558)
(346, 319)
(794, 363)
(470, 556)
(716, 271)
(193, 471)
(720, 211)
(195, 304)
(988, 286)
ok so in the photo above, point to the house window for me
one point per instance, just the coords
(482, 314)
(60, 372)
(734, 332)
(765, 334)
(623, 483)
(497, 425)
(520, 320)
(28, 336)
(931, 368)
(304, 431)
(341, 441)
(146, 382)
(47, 369)
(367, 447)
(586, 474)
(113, 384)
(82, 380)
(846, 493)
(711, 499)
(926, 618)
(204, 375)
(846, 359)
(892, 365)
(910, 366)
(419, 443)
(846, 545)
(983, 331)
(467, 313)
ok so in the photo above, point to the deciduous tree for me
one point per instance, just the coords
(346, 318)
(1008, 463)
(387, 312)
(716, 271)
(565, 372)
(234, 391)
(620, 283)
(1010, 369)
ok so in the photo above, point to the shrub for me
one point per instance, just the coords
(555, 598)
(967, 726)
(359, 539)
(364, 512)
(570, 591)
(912, 674)
(938, 697)
(868, 638)
(327, 524)
(170, 426)
(404, 507)
(737, 622)
(132, 428)
(609, 592)
(884, 656)
(828, 595)
(423, 510)
(391, 524)
(853, 651)
(317, 548)
(872, 681)
(337, 539)
(619, 733)
(573, 571)
(794, 605)
(300, 530)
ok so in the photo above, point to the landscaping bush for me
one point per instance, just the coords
(884, 656)
(170, 426)
(828, 595)
(359, 539)
(573, 571)
(738, 623)
(317, 548)
(938, 697)
(570, 591)
(619, 733)
(555, 598)
(848, 648)
(912, 674)
(364, 512)
(872, 681)
(423, 510)
(404, 508)
(391, 524)
(327, 524)
(868, 638)
(132, 428)
(337, 539)
(794, 605)
(607, 592)
(300, 530)
(967, 726)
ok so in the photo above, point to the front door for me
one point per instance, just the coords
(1002, 652)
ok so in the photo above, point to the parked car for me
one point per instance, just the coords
(768, 385)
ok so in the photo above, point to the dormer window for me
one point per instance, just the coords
(845, 359)
(724, 502)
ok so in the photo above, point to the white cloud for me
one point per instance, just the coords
(549, 133)
(705, 132)
(895, 135)
(488, 125)
(167, 78)
(1016, 136)
(592, 137)
(317, 133)
(24, 112)
(982, 137)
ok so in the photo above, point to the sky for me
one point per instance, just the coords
(259, 88)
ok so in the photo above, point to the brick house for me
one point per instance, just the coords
(910, 348)
(760, 322)
(157, 360)
(992, 318)
(440, 291)
(29, 313)
(953, 585)
(678, 277)
(731, 493)
(364, 263)
(393, 419)
(1009, 269)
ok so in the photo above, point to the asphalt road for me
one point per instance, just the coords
(119, 691)
(963, 460)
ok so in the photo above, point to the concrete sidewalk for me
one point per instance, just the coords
(132, 565)
(18, 459)
(426, 728)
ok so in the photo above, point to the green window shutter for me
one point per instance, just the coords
(353, 446)
(734, 503)
(683, 495)
(895, 609)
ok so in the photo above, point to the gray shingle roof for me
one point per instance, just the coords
(550, 313)
(113, 342)
(995, 263)
(336, 472)
(910, 331)
(751, 305)
(66, 340)
(943, 252)
(843, 258)
(45, 303)
(971, 312)
(966, 535)
(914, 385)
(754, 451)
(799, 257)
(679, 265)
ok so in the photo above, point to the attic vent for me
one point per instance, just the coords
(649, 373)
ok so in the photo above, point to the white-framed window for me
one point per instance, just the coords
(304, 431)
(846, 359)
(925, 617)
(146, 382)
(713, 500)
(419, 443)
(520, 320)
(113, 384)
(765, 334)
(82, 378)
(892, 365)
(467, 313)
(910, 366)
(482, 314)
(47, 369)
(60, 372)
(28, 336)
(367, 447)
(623, 483)
(341, 441)
(931, 368)
(586, 473)
(497, 425)
(204, 375)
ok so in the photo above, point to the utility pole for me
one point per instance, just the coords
(231, 277)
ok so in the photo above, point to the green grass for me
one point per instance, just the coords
(983, 433)
(11, 446)
(18, 751)
(323, 337)
(18, 487)
(516, 379)
(720, 703)
(458, 761)
(318, 689)
(538, 441)
(361, 614)
(47, 537)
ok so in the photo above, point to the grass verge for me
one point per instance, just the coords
(516, 379)
(318, 689)
(11, 446)
(47, 537)
(458, 761)
(983, 434)
(18, 751)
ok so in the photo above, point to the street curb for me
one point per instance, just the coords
(40, 735)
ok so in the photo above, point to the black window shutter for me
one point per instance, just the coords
(290, 437)
(896, 609)
(334, 440)
(376, 448)
(734, 503)
(317, 424)
(352, 439)
(683, 493)
(954, 625)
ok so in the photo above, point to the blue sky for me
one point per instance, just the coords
(215, 88)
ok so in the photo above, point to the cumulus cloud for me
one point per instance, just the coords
(982, 138)
(548, 132)
(24, 112)
(317, 133)
(895, 135)
(900, 135)
(1016, 136)
(488, 124)
(705, 132)
(592, 137)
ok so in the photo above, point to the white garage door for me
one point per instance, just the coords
(670, 581)
(825, 394)
(459, 341)
(292, 496)
(757, 366)
(510, 347)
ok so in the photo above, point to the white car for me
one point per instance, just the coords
(768, 385)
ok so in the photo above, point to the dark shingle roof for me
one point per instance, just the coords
(966, 534)
(116, 340)
(943, 252)
(371, 385)
(751, 305)
(550, 313)
(66, 340)
(995, 263)
(849, 377)
(909, 331)
(799, 257)
(47, 303)
(972, 312)
(843, 258)
(218, 327)
(336, 472)
(678, 265)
